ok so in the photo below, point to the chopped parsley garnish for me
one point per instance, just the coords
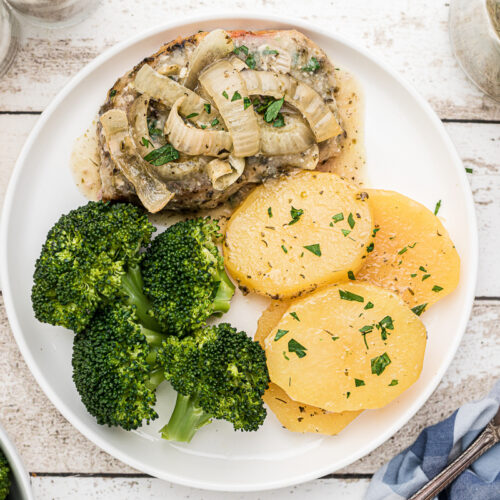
(146, 142)
(350, 275)
(285, 356)
(250, 60)
(153, 131)
(351, 221)
(418, 310)
(273, 109)
(112, 93)
(346, 232)
(224, 94)
(236, 96)
(385, 324)
(394, 381)
(347, 395)
(294, 316)
(214, 122)
(246, 102)
(403, 250)
(315, 249)
(268, 51)
(380, 363)
(279, 334)
(468, 170)
(412, 275)
(295, 213)
(413, 246)
(338, 217)
(270, 212)
(284, 248)
(279, 122)
(312, 66)
(438, 206)
(346, 295)
(207, 107)
(358, 382)
(423, 269)
(192, 115)
(369, 305)
(160, 156)
(437, 288)
(366, 329)
(370, 247)
(375, 231)
(297, 348)
(203, 127)
(425, 276)
(335, 338)
(241, 48)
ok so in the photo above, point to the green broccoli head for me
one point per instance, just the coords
(84, 260)
(184, 276)
(4, 476)
(218, 373)
(114, 363)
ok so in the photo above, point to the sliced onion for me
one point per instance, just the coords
(169, 69)
(167, 91)
(237, 63)
(215, 46)
(151, 191)
(195, 141)
(300, 95)
(280, 62)
(294, 137)
(138, 119)
(181, 168)
(220, 80)
(224, 173)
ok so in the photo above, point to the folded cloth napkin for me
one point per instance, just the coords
(435, 448)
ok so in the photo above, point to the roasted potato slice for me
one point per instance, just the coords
(294, 234)
(413, 254)
(346, 347)
(295, 416)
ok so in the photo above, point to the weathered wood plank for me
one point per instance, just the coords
(477, 144)
(411, 36)
(48, 443)
(81, 488)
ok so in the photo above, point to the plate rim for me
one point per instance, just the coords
(61, 406)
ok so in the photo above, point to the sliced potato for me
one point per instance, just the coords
(413, 254)
(295, 416)
(354, 346)
(294, 234)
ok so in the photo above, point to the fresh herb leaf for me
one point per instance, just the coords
(403, 250)
(347, 395)
(203, 127)
(345, 232)
(224, 94)
(250, 60)
(279, 334)
(413, 246)
(241, 48)
(207, 107)
(153, 131)
(346, 295)
(192, 115)
(315, 249)
(418, 310)
(375, 231)
(295, 214)
(468, 170)
(394, 381)
(112, 93)
(358, 382)
(236, 96)
(280, 121)
(294, 316)
(246, 102)
(285, 356)
(438, 206)
(380, 363)
(351, 221)
(338, 217)
(146, 142)
(350, 275)
(437, 288)
(335, 338)
(425, 276)
(297, 348)
(423, 269)
(366, 329)
(214, 122)
(270, 212)
(312, 66)
(369, 305)
(284, 248)
(273, 109)
(385, 324)
(412, 275)
(370, 247)
(268, 51)
(160, 156)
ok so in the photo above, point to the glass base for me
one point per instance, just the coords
(9, 38)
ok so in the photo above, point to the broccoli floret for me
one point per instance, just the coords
(91, 257)
(115, 369)
(4, 476)
(184, 276)
(218, 373)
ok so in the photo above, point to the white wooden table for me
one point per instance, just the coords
(412, 37)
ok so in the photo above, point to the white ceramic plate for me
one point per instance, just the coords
(20, 488)
(407, 150)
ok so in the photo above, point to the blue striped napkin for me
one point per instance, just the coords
(434, 448)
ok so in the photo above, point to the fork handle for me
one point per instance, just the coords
(485, 440)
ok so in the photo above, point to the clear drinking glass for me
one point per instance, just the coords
(475, 38)
(53, 13)
(9, 38)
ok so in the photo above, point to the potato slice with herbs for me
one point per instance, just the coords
(346, 347)
(294, 234)
(295, 416)
(413, 254)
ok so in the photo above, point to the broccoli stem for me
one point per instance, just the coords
(225, 292)
(186, 419)
(156, 378)
(132, 286)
